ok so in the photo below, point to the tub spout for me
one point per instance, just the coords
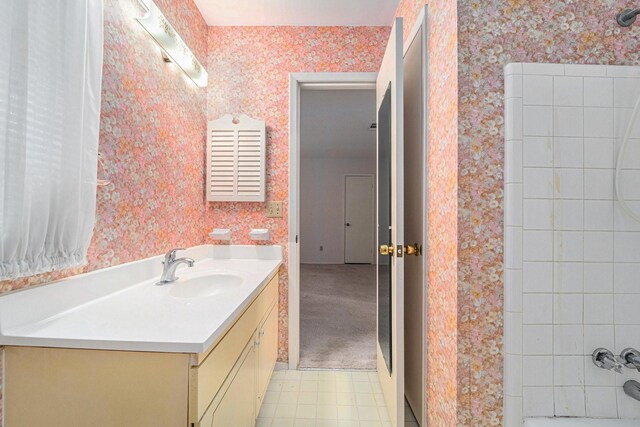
(632, 388)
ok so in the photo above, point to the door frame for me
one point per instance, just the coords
(373, 214)
(315, 81)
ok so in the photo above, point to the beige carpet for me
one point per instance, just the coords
(337, 316)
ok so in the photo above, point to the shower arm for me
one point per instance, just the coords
(627, 17)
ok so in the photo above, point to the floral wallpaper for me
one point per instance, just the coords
(249, 74)
(442, 313)
(491, 34)
(152, 134)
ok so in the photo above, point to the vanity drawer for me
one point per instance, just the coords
(207, 377)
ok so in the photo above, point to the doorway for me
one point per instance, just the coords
(337, 210)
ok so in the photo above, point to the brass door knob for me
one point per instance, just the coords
(386, 250)
(414, 249)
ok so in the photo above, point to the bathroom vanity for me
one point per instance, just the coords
(111, 348)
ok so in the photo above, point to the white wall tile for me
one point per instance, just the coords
(513, 86)
(568, 340)
(598, 184)
(626, 247)
(568, 183)
(513, 119)
(537, 309)
(597, 336)
(543, 69)
(601, 402)
(537, 90)
(568, 152)
(538, 183)
(598, 309)
(622, 221)
(513, 205)
(567, 91)
(626, 336)
(627, 309)
(598, 246)
(538, 277)
(537, 246)
(568, 277)
(537, 401)
(598, 92)
(569, 401)
(513, 290)
(538, 151)
(567, 246)
(568, 215)
(631, 158)
(537, 121)
(513, 334)
(630, 184)
(598, 153)
(513, 68)
(538, 214)
(622, 71)
(513, 241)
(537, 370)
(626, 279)
(598, 277)
(568, 121)
(513, 162)
(512, 374)
(568, 370)
(598, 123)
(625, 92)
(585, 70)
(621, 118)
(567, 309)
(598, 215)
(512, 414)
(537, 339)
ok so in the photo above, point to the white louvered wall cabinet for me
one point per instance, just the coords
(236, 160)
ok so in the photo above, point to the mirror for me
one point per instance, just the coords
(384, 227)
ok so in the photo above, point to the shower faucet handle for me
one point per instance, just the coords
(605, 359)
(630, 357)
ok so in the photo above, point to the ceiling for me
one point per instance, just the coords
(298, 12)
(335, 123)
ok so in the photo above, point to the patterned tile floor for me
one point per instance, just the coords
(325, 398)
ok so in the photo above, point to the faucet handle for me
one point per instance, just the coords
(171, 255)
(630, 357)
(605, 359)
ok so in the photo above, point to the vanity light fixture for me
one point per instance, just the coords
(172, 45)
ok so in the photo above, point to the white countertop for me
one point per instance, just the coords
(121, 308)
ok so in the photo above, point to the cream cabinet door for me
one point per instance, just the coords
(237, 407)
(267, 352)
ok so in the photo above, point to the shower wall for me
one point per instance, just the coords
(572, 257)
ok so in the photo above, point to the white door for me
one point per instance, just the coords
(390, 230)
(358, 215)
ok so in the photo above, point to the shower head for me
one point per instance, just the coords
(627, 17)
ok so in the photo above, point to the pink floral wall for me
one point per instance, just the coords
(443, 382)
(152, 134)
(249, 74)
(491, 34)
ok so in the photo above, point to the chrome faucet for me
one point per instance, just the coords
(630, 358)
(170, 264)
(632, 389)
(605, 359)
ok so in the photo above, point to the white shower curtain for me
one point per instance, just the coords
(50, 80)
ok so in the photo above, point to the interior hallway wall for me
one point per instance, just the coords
(493, 33)
(322, 206)
(249, 74)
(444, 389)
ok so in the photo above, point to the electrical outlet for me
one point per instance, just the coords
(274, 209)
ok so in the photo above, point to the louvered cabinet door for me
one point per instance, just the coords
(236, 160)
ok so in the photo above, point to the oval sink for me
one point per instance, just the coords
(205, 286)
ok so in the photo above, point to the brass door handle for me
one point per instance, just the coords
(386, 250)
(414, 249)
